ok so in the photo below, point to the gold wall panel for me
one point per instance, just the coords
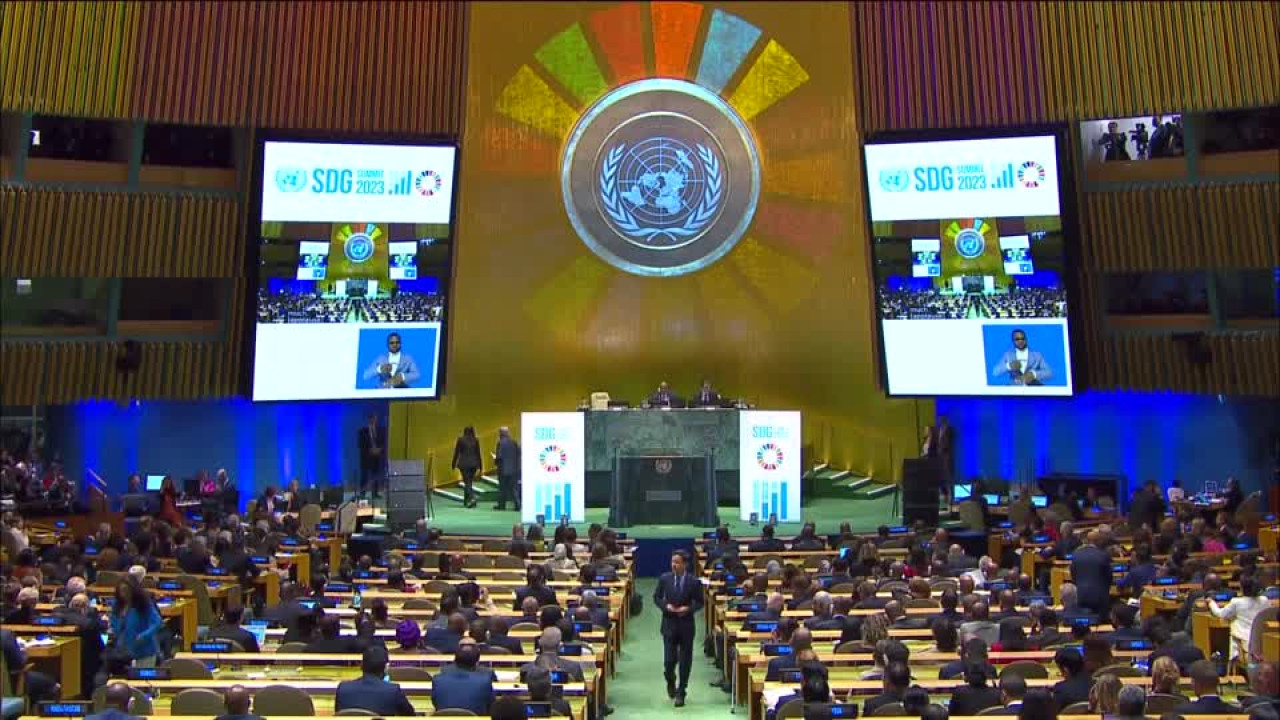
(67, 233)
(371, 66)
(538, 321)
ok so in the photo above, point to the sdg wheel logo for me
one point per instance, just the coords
(427, 183)
(553, 458)
(1031, 174)
(769, 457)
(359, 245)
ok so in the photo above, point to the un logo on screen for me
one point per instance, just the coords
(291, 180)
(358, 247)
(660, 177)
(970, 243)
(894, 180)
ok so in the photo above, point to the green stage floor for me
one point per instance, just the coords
(864, 514)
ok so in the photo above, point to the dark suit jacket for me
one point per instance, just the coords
(1074, 690)
(554, 662)
(767, 545)
(1208, 705)
(239, 717)
(111, 714)
(237, 633)
(968, 700)
(955, 669)
(237, 563)
(365, 442)
(688, 593)
(882, 699)
(506, 641)
(667, 399)
(372, 693)
(763, 616)
(508, 452)
(193, 563)
(703, 400)
(1091, 572)
(817, 622)
(457, 688)
(544, 594)
(286, 613)
(441, 639)
(777, 665)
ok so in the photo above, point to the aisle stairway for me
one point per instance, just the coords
(826, 481)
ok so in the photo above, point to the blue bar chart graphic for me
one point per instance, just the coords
(771, 498)
(554, 501)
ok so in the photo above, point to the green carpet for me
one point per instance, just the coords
(639, 691)
(864, 514)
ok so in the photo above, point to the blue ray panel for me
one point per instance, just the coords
(729, 39)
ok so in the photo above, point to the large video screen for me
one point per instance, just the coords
(969, 263)
(354, 258)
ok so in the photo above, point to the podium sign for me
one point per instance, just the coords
(769, 464)
(551, 466)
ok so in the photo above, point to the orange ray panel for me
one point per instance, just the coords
(675, 28)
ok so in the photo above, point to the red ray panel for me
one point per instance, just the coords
(619, 32)
(809, 230)
(675, 28)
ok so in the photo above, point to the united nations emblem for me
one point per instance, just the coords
(662, 466)
(660, 177)
(970, 243)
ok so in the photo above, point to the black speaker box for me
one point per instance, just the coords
(921, 483)
(371, 545)
(407, 501)
(406, 483)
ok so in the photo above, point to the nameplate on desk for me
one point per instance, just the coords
(1168, 580)
(324, 527)
(1004, 525)
(49, 620)
(1119, 567)
(574, 649)
(337, 587)
(289, 542)
(211, 647)
(664, 496)
(217, 571)
(791, 676)
(91, 550)
(709, 534)
(998, 586)
(1241, 546)
(169, 585)
(363, 574)
(1082, 621)
(1133, 645)
(1171, 593)
(308, 604)
(775, 649)
(847, 710)
(155, 673)
(898, 529)
(410, 546)
(559, 677)
(1223, 596)
(599, 591)
(738, 591)
(260, 559)
(213, 584)
(65, 709)
(749, 607)
(1040, 538)
(757, 626)
(60, 524)
(622, 536)
(582, 627)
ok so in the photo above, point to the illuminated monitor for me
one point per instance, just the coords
(154, 483)
(963, 492)
(353, 263)
(992, 299)
(1040, 501)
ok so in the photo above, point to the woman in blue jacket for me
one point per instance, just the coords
(136, 623)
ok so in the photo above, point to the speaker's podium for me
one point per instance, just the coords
(663, 488)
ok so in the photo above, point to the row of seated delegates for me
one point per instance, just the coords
(37, 487)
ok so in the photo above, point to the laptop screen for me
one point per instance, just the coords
(1040, 501)
(963, 492)
(154, 482)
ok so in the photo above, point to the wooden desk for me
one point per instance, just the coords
(63, 658)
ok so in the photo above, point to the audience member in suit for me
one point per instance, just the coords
(824, 617)
(808, 539)
(1091, 573)
(446, 639)
(867, 599)
(898, 617)
(89, 628)
(230, 629)
(195, 559)
(498, 636)
(549, 656)
(1131, 703)
(1266, 683)
(536, 587)
(332, 640)
(767, 542)
(1045, 627)
(814, 690)
(1071, 608)
(371, 692)
(1142, 571)
(897, 677)
(40, 687)
(462, 685)
(1122, 619)
(1075, 686)
(679, 597)
(236, 701)
(772, 610)
(972, 650)
(979, 624)
(801, 640)
(598, 612)
(1012, 689)
(950, 601)
(1204, 679)
(540, 688)
(119, 698)
(724, 546)
(975, 694)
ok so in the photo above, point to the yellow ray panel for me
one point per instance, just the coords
(775, 74)
(822, 176)
(781, 280)
(724, 298)
(566, 301)
(528, 99)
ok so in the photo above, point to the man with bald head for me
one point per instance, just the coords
(1266, 683)
(1091, 573)
(824, 613)
(370, 692)
(236, 700)
(549, 656)
(118, 700)
(899, 618)
(801, 639)
(446, 639)
(979, 625)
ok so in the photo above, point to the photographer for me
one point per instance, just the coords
(1113, 141)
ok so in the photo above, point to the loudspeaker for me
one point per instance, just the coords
(406, 483)
(407, 500)
(371, 545)
(921, 483)
(404, 518)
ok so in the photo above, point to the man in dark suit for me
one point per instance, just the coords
(767, 542)
(236, 701)
(498, 636)
(1012, 689)
(233, 559)
(230, 629)
(539, 681)
(507, 454)
(461, 685)
(663, 397)
(1185, 654)
(372, 442)
(332, 641)
(446, 639)
(371, 692)
(706, 396)
(772, 609)
(549, 656)
(1204, 679)
(195, 558)
(1091, 573)
(679, 597)
(801, 639)
(824, 617)
(1266, 683)
(898, 617)
(535, 587)
(897, 677)
(975, 695)
(1075, 686)
(118, 700)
